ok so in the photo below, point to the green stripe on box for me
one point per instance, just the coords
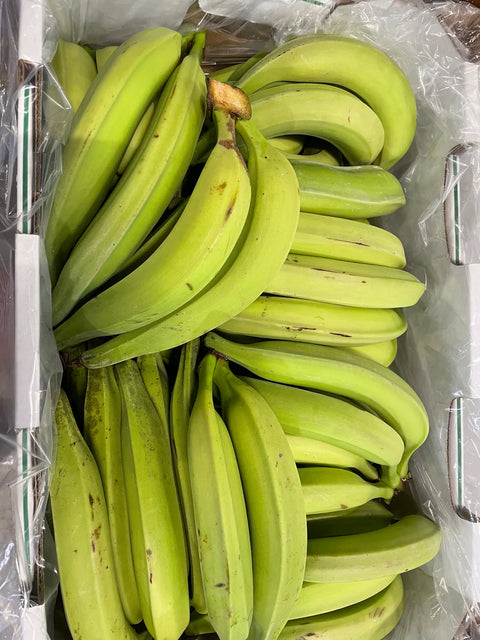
(458, 404)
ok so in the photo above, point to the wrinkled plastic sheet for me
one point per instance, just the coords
(437, 46)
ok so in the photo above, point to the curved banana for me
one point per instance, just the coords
(346, 192)
(103, 54)
(220, 515)
(367, 517)
(265, 243)
(103, 408)
(187, 260)
(346, 283)
(336, 371)
(345, 239)
(326, 490)
(308, 414)
(322, 111)
(141, 196)
(409, 543)
(381, 352)
(75, 71)
(182, 399)
(351, 63)
(153, 511)
(316, 322)
(111, 110)
(82, 538)
(155, 379)
(274, 499)
(315, 452)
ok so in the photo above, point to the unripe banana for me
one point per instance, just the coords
(155, 379)
(274, 499)
(315, 322)
(220, 515)
(246, 66)
(367, 517)
(345, 239)
(223, 75)
(346, 192)
(381, 352)
(75, 71)
(288, 144)
(326, 490)
(346, 283)
(103, 408)
(82, 538)
(189, 258)
(103, 54)
(359, 67)
(111, 110)
(336, 371)
(409, 543)
(323, 111)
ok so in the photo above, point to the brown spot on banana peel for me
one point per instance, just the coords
(361, 244)
(225, 97)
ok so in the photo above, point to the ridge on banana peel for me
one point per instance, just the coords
(143, 193)
(340, 372)
(409, 543)
(355, 65)
(382, 352)
(187, 260)
(82, 536)
(323, 111)
(367, 517)
(75, 71)
(259, 254)
(274, 500)
(111, 110)
(220, 515)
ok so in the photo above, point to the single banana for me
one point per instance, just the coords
(367, 517)
(187, 260)
(75, 71)
(336, 371)
(153, 510)
(273, 494)
(326, 490)
(346, 283)
(345, 239)
(103, 54)
(308, 414)
(75, 381)
(409, 543)
(351, 63)
(103, 407)
(183, 396)
(315, 452)
(265, 243)
(155, 379)
(316, 322)
(381, 352)
(143, 193)
(82, 537)
(323, 111)
(111, 110)
(220, 515)
(346, 192)
(223, 75)
(372, 619)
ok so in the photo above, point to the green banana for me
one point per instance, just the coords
(82, 538)
(351, 63)
(326, 490)
(336, 371)
(187, 260)
(274, 499)
(311, 451)
(143, 193)
(323, 111)
(345, 239)
(319, 151)
(155, 379)
(223, 75)
(346, 283)
(316, 322)
(242, 68)
(346, 192)
(381, 352)
(260, 253)
(220, 515)
(103, 407)
(183, 396)
(75, 71)
(308, 414)
(367, 517)
(153, 511)
(75, 381)
(288, 144)
(372, 619)
(103, 54)
(111, 110)
(409, 543)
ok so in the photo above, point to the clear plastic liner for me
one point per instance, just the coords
(438, 47)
